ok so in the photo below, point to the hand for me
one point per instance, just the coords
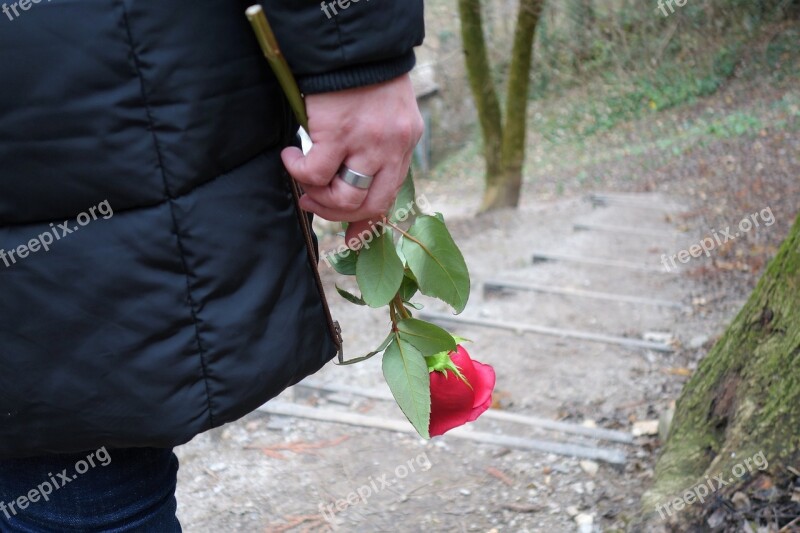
(373, 130)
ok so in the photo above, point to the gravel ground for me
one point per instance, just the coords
(272, 473)
(229, 483)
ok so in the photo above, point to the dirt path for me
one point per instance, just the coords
(398, 482)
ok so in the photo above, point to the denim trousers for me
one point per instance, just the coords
(115, 490)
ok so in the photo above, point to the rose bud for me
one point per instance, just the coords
(461, 390)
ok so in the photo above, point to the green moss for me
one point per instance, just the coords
(744, 398)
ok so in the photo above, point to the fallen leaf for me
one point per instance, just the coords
(495, 473)
(299, 447)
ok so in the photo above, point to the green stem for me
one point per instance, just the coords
(357, 360)
(399, 307)
(404, 233)
(269, 45)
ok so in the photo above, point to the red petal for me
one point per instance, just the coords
(484, 383)
(463, 361)
(453, 403)
(480, 409)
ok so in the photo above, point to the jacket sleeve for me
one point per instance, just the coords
(334, 45)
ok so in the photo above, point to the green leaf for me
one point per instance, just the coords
(349, 296)
(406, 372)
(379, 271)
(377, 350)
(439, 216)
(428, 338)
(409, 286)
(406, 200)
(344, 263)
(399, 249)
(437, 263)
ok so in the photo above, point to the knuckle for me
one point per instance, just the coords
(307, 178)
(376, 133)
(419, 127)
(350, 204)
(318, 180)
(347, 126)
(408, 128)
(379, 208)
(350, 199)
(404, 131)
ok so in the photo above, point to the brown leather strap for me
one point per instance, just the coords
(313, 259)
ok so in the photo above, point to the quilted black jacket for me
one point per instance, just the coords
(154, 279)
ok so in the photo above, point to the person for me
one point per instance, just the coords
(156, 281)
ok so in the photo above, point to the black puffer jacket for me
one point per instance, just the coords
(179, 294)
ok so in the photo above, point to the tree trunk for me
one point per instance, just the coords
(744, 400)
(504, 140)
(509, 182)
(504, 190)
(480, 81)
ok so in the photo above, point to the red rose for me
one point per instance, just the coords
(453, 402)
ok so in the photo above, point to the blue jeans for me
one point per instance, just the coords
(122, 490)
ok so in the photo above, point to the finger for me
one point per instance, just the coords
(318, 167)
(380, 197)
(338, 195)
(342, 196)
(387, 185)
(336, 215)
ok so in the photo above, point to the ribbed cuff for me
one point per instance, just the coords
(357, 75)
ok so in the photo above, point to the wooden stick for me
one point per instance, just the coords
(622, 229)
(491, 414)
(604, 200)
(545, 330)
(581, 293)
(327, 415)
(542, 257)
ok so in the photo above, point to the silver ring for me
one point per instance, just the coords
(356, 179)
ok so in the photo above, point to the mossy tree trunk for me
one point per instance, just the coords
(744, 399)
(503, 136)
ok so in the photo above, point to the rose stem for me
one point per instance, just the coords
(269, 45)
